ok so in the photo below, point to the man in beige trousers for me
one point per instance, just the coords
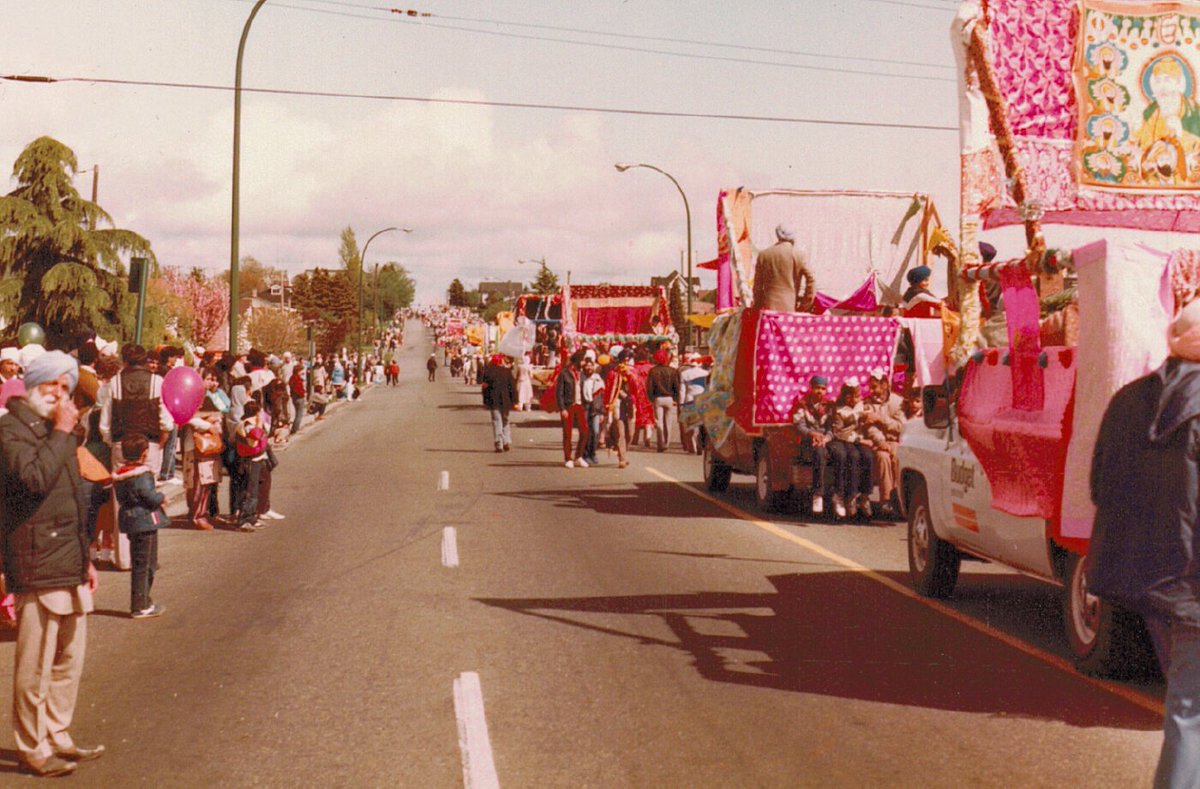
(46, 563)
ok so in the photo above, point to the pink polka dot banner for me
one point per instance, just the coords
(790, 348)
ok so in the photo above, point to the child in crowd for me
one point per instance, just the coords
(142, 515)
(251, 443)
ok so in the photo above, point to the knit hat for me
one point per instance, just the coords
(49, 366)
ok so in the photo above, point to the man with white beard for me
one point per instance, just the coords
(46, 562)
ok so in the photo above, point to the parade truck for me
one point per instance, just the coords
(998, 469)
(858, 245)
(608, 315)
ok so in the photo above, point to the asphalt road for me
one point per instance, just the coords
(624, 629)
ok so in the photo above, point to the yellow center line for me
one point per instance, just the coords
(1131, 695)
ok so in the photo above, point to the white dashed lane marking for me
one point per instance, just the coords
(449, 547)
(444, 481)
(479, 771)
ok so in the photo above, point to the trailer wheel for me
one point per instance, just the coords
(716, 473)
(1105, 640)
(932, 563)
(767, 500)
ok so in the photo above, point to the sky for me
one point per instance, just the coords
(483, 186)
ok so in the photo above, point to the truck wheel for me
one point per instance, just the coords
(765, 498)
(1105, 640)
(932, 562)
(716, 473)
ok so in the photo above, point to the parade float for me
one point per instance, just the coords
(858, 245)
(1073, 113)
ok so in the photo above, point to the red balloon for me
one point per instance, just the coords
(182, 393)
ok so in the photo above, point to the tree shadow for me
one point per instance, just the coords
(471, 407)
(843, 635)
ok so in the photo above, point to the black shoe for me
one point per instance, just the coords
(499, 448)
(507, 447)
(82, 754)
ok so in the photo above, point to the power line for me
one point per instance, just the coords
(485, 103)
(424, 22)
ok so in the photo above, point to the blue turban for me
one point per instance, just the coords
(919, 274)
(48, 367)
(818, 380)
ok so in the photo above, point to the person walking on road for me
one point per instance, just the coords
(431, 366)
(662, 387)
(1145, 483)
(46, 563)
(592, 388)
(568, 398)
(499, 394)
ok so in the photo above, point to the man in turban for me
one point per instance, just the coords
(918, 301)
(46, 562)
(779, 273)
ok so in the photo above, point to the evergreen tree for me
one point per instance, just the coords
(55, 269)
(678, 315)
(546, 281)
(456, 294)
(326, 301)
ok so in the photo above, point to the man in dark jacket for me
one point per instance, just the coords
(1145, 541)
(46, 562)
(568, 399)
(663, 389)
(499, 394)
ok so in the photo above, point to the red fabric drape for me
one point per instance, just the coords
(612, 320)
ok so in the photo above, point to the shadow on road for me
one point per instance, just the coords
(645, 499)
(843, 635)
(10, 761)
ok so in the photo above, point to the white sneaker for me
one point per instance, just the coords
(818, 505)
(839, 509)
(569, 464)
(581, 463)
(272, 515)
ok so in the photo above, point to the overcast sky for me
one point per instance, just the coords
(483, 186)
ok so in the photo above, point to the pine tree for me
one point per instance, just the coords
(327, 302)
(456, 294)
(546, 282)
(57, 270)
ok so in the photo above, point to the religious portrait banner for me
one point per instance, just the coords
(1139, 122)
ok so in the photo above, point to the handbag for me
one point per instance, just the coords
(207, 443)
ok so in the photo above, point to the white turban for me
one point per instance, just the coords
(48, 367)
(783, 234)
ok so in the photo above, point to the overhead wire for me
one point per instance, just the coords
(487, 103)
(425, 22)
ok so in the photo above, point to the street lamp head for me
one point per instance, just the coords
(623, 166)
(407, 229)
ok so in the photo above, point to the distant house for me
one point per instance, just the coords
(500, 290)
(670, 279)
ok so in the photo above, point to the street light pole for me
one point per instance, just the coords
(622, 167)
(362, 269)
(234, 296)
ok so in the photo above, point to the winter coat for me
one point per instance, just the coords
(44, 508)
(499, 389)
(141, 504)
(1145, 483)
(663, 381)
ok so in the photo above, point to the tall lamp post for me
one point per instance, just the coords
(234, 296)
(362, 270)
(622, 167)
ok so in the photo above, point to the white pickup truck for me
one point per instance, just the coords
(949, 498)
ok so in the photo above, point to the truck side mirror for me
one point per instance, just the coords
(935, 405)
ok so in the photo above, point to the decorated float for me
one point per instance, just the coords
(1073, 113)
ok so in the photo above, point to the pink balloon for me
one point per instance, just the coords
(182, 393)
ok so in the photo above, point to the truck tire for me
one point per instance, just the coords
(932, 562)
(716, 473)
(1105, 640)
(766, 499)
